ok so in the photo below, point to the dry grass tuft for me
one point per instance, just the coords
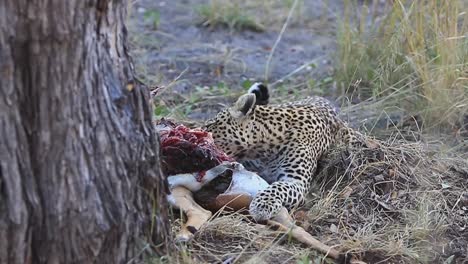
(248, 14)
(234, 239)
(230, 14)
(395, 203)
(417, 49)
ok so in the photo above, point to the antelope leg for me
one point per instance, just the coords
(182, 198)
(284, 222)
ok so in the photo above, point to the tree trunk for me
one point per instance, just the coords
(79, 157)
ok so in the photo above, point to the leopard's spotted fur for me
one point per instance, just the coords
(283, 141)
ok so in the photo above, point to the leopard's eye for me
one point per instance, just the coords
(209, 123)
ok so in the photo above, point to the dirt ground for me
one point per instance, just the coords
(189, 57)
(207, 55)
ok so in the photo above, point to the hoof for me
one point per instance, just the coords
(183, 238)
(185, 235)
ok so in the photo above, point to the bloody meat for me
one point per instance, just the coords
(186, 150)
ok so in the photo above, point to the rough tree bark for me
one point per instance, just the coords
(78, 153)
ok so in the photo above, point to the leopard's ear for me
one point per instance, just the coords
(261, 93)
(244, 106)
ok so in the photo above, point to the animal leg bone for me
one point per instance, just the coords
(191, 182)
(284, 222)
(182, 198)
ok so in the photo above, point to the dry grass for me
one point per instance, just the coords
(418, 49)
(397, 203)
(234, 239)
(248, 14)
(229, 14)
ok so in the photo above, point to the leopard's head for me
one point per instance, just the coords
(232, 128)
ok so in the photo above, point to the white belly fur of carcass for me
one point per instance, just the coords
(243, 181)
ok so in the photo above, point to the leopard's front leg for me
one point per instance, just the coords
(267, 203)
(289, 191)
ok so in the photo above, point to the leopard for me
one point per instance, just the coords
(282, 142)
